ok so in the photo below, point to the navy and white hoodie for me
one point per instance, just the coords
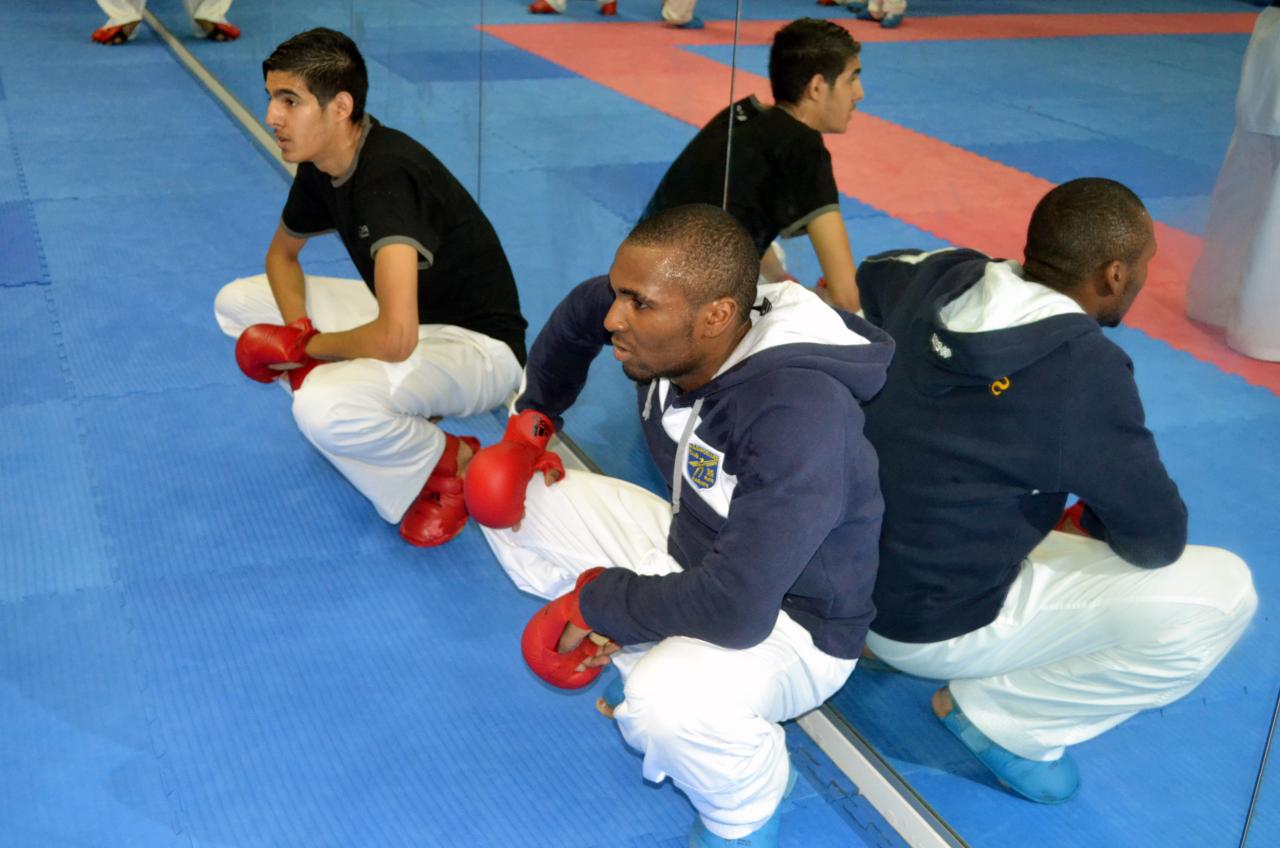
(774, 488)
(1003, 397)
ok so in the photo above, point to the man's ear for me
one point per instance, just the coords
(719, 316)
(816, 87)
(342, 105)
(1114, 278)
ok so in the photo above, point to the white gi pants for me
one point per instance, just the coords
(369, 417)
(879, 8)
(120, 12)
(677, 12)
(1085, 640)
(705, 716)
(1236, 282)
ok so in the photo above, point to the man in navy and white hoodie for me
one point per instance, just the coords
(1003, 398)
(743, 601)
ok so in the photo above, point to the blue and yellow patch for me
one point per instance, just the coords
(702, 467)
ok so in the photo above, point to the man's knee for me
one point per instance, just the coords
(235, 302)
(1222, 580)
(670, 704)
(323, 413)
(1199, 610)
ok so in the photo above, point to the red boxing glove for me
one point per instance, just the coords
(1070, 522)
(498, 476)
(297, 375)
(541, 640)
(262, 345)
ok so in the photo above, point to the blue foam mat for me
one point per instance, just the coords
(127, 762)
(34, 366)
(52, 540)
(21, 253)
(105, 239)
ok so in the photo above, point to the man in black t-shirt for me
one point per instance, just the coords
(435, 327)
(781, 184)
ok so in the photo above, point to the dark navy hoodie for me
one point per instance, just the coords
(1003, 397)
(776, 498)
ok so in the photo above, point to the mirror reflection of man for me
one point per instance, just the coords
(742, 601)
(432, 328)
(781, 183)
(1003, 398)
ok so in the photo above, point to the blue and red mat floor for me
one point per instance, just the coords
(206, 637)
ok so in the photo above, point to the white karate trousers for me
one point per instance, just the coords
(1236, 282)
(121, 12)
(1085, 640)
(368, 417)
(705, 716)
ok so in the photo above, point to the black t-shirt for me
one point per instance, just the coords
(397, 192)
(780, 180)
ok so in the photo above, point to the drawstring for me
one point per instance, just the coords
(677, 477)
(648, 400)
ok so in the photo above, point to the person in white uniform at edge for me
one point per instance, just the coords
(744, 600)
(1236, 282)
(1003, 397)
(432, 329)
(208, 20)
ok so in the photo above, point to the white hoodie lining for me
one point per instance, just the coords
(1003, 299)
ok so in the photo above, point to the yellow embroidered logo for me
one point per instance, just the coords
(702, 467)
(1000, 386)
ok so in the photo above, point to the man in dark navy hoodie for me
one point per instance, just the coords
(744, 600)
(1005, 397)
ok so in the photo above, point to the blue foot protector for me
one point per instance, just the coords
(1042, 782)
(613, 694)
(693, 23)
(890, 21)
(764, 837)
(863, 13)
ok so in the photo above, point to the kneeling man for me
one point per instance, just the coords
(1004, 397)
(743, 601)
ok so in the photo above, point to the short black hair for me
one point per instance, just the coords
(328, 62)
(806, 47)
(714, 250)
(1079, 227)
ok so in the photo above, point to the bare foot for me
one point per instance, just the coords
(464, 457)
(942, 703)
(603, 706)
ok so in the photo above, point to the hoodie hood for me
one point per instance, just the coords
(792, 328)
(986, 321)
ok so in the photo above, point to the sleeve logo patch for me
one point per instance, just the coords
(702, 467)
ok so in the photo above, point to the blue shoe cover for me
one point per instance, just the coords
(890, 21)
(613, 694)
(763, 837)
(1042, 782)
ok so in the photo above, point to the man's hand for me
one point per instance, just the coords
(264, 350)
(559, 645)
(498, 475)
(572, 638)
